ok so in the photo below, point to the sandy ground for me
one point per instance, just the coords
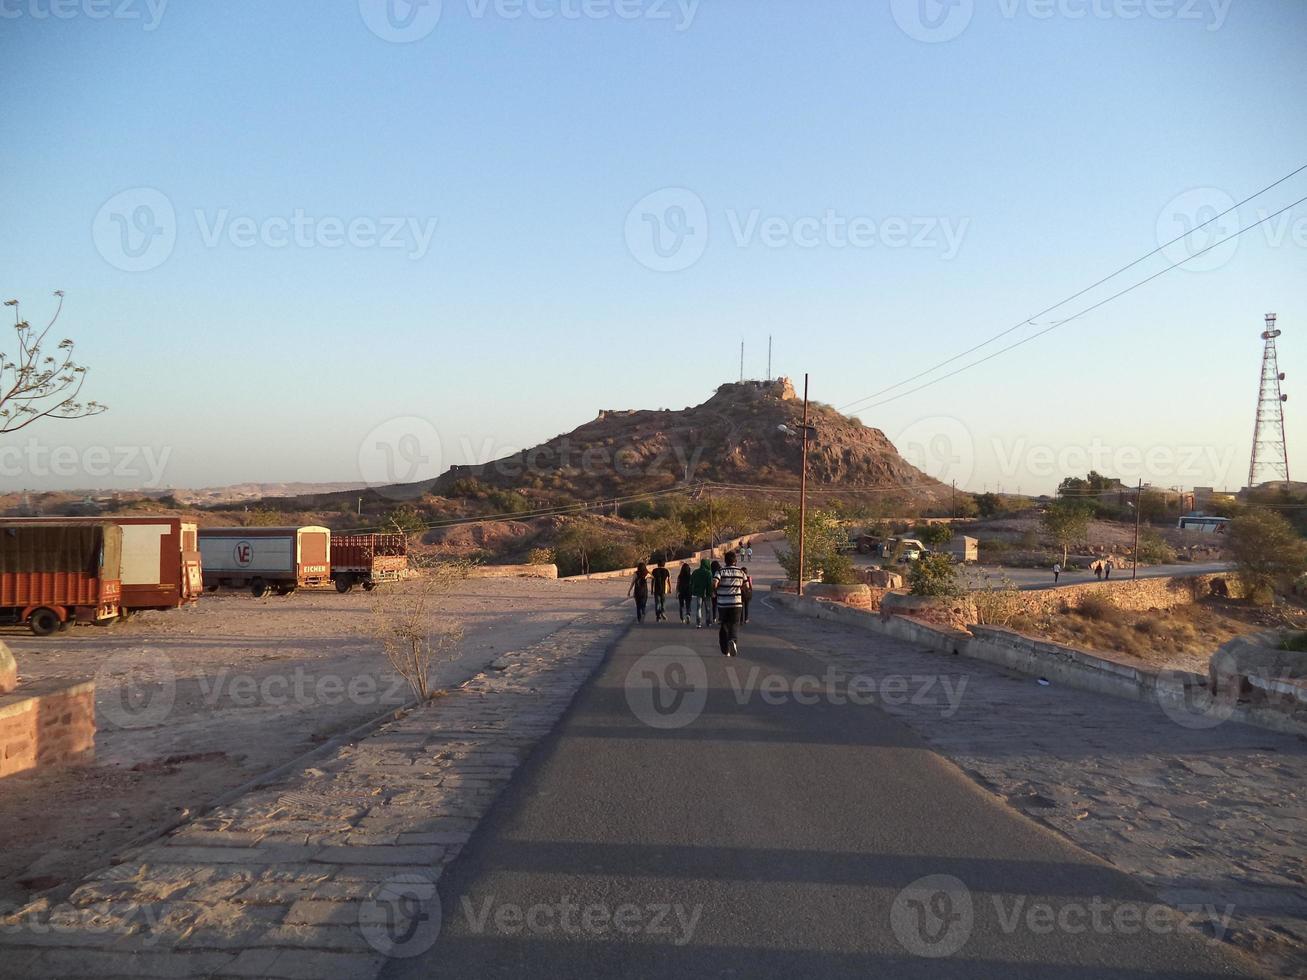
(195, 702)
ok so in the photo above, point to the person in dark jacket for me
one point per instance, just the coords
(701, 587)
(746, 593)
(684, 597)
(640, 589)
(662, 579)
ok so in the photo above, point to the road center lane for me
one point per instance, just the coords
(749, 834)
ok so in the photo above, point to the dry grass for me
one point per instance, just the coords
(1183, 637)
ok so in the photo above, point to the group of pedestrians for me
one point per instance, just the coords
(1102, 570)
(712, 593)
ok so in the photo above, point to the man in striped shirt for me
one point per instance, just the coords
(728, 586)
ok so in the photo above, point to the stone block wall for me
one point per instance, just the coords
(48, 724)
(1138, 595)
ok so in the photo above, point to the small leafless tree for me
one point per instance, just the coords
(404, 619)
(35, 384)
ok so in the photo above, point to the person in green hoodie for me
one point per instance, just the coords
(701, 587)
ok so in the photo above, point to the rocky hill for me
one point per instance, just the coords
(734, 438)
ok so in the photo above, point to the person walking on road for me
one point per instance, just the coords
(701, 588)
(748, 551)
(746, 593)
(640, 589)
(1107, 569)
(1098, 570)
(684, 597)
(728, 587)
(1057, 570)
(661, 580)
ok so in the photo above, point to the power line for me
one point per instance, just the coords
(1054, 326)
(1029, 320)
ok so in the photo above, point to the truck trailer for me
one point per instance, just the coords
(367, 559)
(263, 559)
(54, 574)
(160, 559)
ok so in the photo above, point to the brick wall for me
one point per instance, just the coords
(47, 724)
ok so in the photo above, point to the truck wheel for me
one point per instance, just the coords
(43, 622)
(285, 589)
(344, 584)
(258, 588)
(369, 586)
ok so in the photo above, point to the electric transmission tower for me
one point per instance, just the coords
(1270, 454)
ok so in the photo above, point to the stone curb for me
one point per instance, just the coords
(293, 879)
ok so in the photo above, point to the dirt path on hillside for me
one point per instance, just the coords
(195, 702)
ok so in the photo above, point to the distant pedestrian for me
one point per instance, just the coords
(728, 588)
(1107, 570)
(640, 589)
(701, 588)
(714, 568)
(661, 580)
(748, 551)
(1057, 571)
(746, 593)
(684, 597)
(1098, 570)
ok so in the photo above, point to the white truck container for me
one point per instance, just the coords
(265, 558)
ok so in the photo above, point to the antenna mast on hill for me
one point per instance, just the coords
(741, 360)
(769, 357)
(1270, 452)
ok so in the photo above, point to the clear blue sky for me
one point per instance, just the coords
(1055, 148)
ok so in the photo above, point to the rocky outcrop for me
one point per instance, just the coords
(743, 434)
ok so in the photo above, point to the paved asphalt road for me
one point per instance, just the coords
(1042, 578)
(756, 839)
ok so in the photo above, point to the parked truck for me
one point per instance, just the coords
(263, 559)
(55, 574)
(160, 559)
(367, 559)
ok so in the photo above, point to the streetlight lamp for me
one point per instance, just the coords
(808, 432)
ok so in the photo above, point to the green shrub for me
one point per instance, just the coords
(824, 537)
(1267, 551)
(1153, 549)
(837, 569)
(934, 535)
(508, 502)
(933, 575)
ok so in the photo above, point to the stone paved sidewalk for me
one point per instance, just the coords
(1204, 816)
(327, 872)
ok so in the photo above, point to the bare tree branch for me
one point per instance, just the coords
(35, 385)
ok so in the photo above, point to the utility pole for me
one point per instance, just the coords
(360, 510)
(741, 360)
(803, 490)
(1139, 492)
(955, 498)
(712, 526)
(769, 357)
